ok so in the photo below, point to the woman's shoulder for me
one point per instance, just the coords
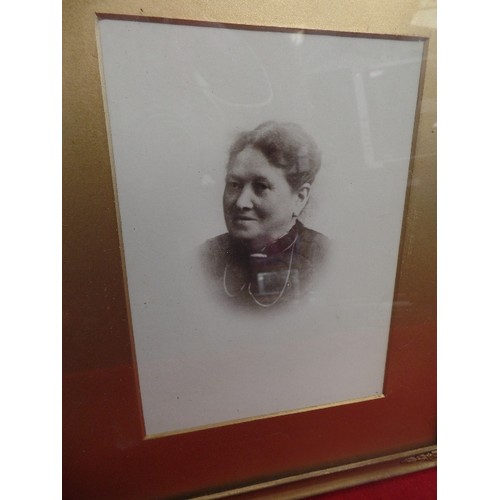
(213, 253)
(313, 240)
(312, 235)
(216, 244)
(313, 256)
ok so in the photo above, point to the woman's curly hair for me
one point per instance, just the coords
(286, 146)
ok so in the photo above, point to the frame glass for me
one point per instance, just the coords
(175, 94)
(122, 399)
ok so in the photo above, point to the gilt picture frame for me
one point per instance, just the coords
(107, 361)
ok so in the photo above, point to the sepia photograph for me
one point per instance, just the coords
(261, 178)
(267, 256)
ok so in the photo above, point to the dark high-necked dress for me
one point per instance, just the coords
(282, 273)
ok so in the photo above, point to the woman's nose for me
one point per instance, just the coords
(244, 199)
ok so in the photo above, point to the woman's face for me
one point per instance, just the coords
(259, 204)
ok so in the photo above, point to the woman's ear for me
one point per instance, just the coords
(302, 197)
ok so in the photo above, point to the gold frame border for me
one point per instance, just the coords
(84, 146)
(334, 478)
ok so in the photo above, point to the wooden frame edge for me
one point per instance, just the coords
(291, 486)
(334, 478)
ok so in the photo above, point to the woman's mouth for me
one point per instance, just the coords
(243, 218)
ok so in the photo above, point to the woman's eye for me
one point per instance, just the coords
(260, 187)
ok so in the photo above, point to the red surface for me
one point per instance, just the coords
(420, 485)
(105, 456)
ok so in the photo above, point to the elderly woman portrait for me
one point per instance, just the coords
(268, 258)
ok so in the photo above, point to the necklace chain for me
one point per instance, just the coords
(225, 286)
(248, 286)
